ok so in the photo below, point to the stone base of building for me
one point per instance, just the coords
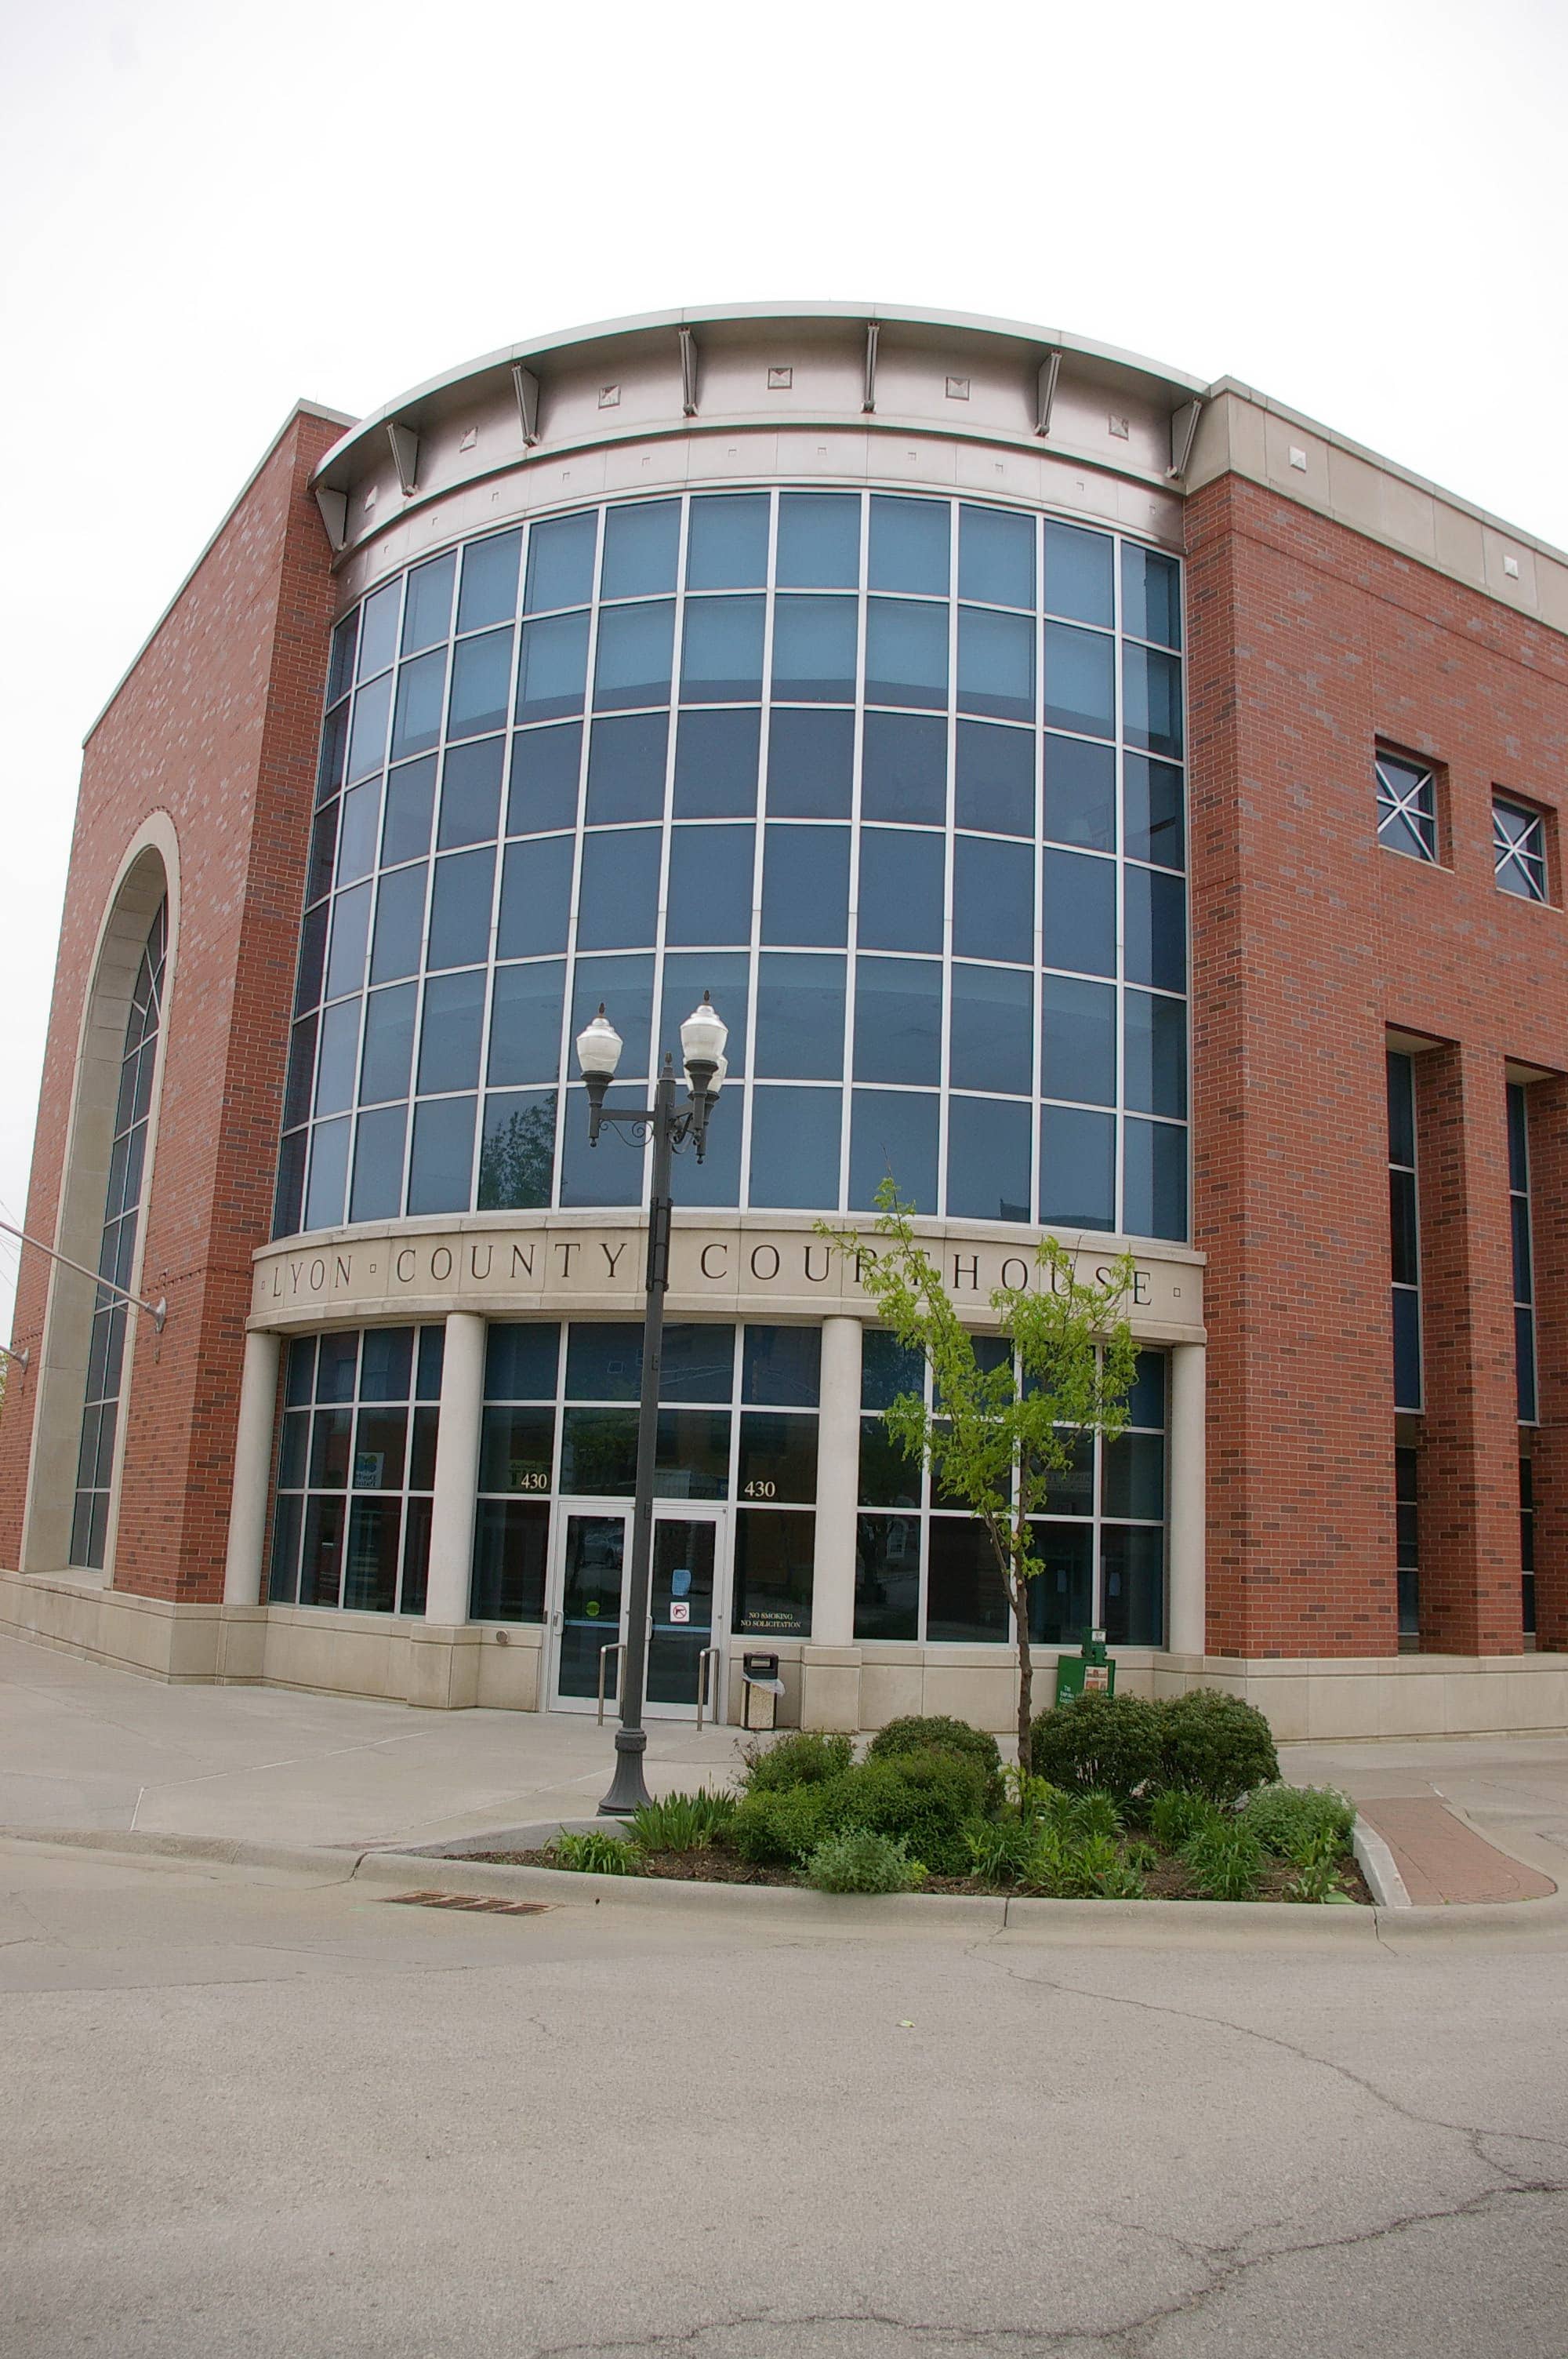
(499, 1666)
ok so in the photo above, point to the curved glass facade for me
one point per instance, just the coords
(897, 779)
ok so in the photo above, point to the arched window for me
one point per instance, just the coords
(116, 1254)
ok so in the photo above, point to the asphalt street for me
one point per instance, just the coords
(252, 2110)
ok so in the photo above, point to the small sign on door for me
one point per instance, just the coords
(680, 1609)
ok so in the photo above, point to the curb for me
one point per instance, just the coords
(1376, 1862)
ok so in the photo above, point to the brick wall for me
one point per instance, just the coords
(1309, 643)
(217, 726)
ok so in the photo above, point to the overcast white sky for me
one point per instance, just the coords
(209, 209)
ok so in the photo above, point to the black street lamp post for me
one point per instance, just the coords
(702, 1037)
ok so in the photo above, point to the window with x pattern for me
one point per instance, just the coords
(1407, 808)
(1518, 850)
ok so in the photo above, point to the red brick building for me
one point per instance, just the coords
(1117, 805)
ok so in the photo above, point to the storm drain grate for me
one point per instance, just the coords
(484, 1906)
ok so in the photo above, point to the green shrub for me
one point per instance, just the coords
(1175, 1816)
(1286, 1820)
(1064, 1866)
(807, 1757)
(859, 1860)
(1225, 1861)
(997, 1848)
(1110, 1742)
(1317, 1870)
(1213, 1745)
(926, 1797)
(681, 1821)
(1143, 1856)
(593, 1855)
(936, 1733)
(1096, 1813)
(779, 1828)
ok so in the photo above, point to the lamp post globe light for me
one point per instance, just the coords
(670, 1126)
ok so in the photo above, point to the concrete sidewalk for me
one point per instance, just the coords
(85, 1748)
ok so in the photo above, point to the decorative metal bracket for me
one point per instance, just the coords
(868, 395)
(687, 372)
(1045, 392)
(1183, 434)
(405, 456)
(526, 384)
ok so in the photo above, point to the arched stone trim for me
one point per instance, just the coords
(148, 872)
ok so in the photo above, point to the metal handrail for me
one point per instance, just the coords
(616, 1647)
(709, 1655)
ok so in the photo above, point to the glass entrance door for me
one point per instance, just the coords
(682, 1619)
(590, 1617)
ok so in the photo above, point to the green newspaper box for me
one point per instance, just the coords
(1090, 1672)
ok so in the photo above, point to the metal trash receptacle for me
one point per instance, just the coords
(1090, 1672)
(761, 1688)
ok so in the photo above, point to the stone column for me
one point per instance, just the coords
(1189, 1501)
(831, 1662)
(457, 1469)
(253, 1470)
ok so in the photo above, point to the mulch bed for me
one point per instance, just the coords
(1169, 1881)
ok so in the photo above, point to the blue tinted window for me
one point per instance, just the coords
(711, 885)
(517, 1152)
(992, 1030)
(903, 768)
(901, 889)
(378, 629)
(1080, 793)
(440, 1165)
(488, 593)
(481, 684)
(417, 718)
(888, 1369)
(560, 563)
(1077, 1040)
(552, 669)
(525, 1023)
(427, 610)
(520, 1360)
(781, 1367)
(640, 547)
(725, 976)
(459, 909)
(1080, 680)
(545, 767)
(625, 988)
(1156, 1047)
(635, 650)
(893, 1132)
(626, 768)
(716, 764)
(988, 1159)
(795, 1149)
(898, 1020)
(819, 541)
(1150, 595)
(805, 885)
(399, 924)
(449, 1034)
(1078, 916)
(471, 793)
(389, 1044)
(536, 896)
(811, 764)
(367, 739)
(1154, 1197)
(339, 1055)
(800, 1021)
(334, 748)
(906, 652)
(618, 900)
(993, 898)
(721, 651)
(1153, 811)
(813, 649)
(716, 1179)
(1077, 1168)
(1407, 1348)
(698, 1363)
(610, 1173)
(727, 541)
(910, 545)
(329, 1174)
(996, 664)
(410, 797)
(377, 1190)
(356, 837)
(340, 669)
(993, 782)
(1156, 927)
(996, 557)
(1152, 700)
(1077, 573)
(604, 1361)
(301, 1063)
(351, 922)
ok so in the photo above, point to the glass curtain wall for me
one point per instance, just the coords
(898, 779)
(356, 1469)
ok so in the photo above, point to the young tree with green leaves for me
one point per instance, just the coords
(997, 1437)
